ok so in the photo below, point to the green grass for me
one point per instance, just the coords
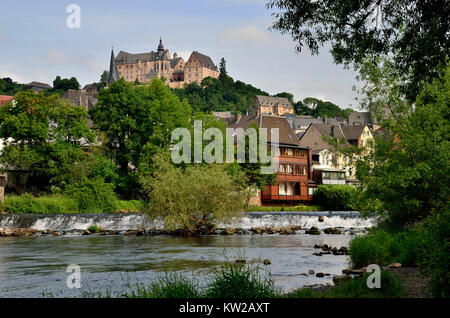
(381, 247)
(391, 287)
(59, 204)
(298, 208)
(95, 228)
(28, 204)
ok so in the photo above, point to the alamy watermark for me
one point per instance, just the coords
(74, 19)
(74, 279)
(214, 151)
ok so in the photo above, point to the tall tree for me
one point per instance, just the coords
(138, 121)
(416, 33)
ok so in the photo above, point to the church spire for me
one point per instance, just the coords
(113, 72)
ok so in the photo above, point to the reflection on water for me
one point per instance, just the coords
(31, 266)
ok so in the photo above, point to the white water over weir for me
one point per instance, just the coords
(128, 221)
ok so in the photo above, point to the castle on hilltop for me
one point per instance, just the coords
(146, 66)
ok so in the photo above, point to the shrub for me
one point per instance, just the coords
(95, 228)
(240, 281)
(373, 248)
(436, 253)
(391, 287)
(28, 204)
(338, 197)
(93, 196)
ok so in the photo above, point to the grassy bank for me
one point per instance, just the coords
(61, 204)
(249, 281)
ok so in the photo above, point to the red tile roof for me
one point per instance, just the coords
(4, 99)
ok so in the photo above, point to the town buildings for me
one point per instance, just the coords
(294, 183)
(327, 163)
(143, 67)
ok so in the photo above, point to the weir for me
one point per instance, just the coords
(127, 221)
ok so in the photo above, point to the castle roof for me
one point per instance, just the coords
(174, 61)
(204, 60)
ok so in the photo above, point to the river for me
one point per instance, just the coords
(36, 266)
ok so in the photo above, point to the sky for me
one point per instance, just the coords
(37, 45)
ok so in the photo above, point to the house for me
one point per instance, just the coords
(325, 157)
(37, 87)
(277, 106)
(294, 183)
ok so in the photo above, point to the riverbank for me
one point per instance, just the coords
(63, 204)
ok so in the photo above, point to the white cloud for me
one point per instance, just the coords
(249, 34)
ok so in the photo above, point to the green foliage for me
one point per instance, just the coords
(28, 204)
(436, 253)
(42, 136)
(391, 287)
(95, 228)
(317, 108)
(381, 247)
(172, 285)
(93, 196)
(9, 87)
(240, 281)
(65, 84)
(220, 95)
(137, 122)
(408, 169)
(187, 197)
(338, 197)
(414, 32)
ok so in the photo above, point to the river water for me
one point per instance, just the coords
(36, 266)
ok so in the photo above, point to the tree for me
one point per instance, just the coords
(137, 122)
(103, 80)
(65, 84)
(192, 198)
(9, 87)
(289, 96)
(43, 135)
(408, 169)
(415, 33)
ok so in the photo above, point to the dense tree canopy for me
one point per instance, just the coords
(416, 33)
(43, 136)
(311, 106)
(408, 169)
(9, 87)
(137, 121)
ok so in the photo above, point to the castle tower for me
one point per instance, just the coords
(113, 72)
(160, 47)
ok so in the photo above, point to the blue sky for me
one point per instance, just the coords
(36, 44)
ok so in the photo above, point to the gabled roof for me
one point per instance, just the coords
(273, 101)
(204, 60)
(286, 134)
(174, 61)
(353, 132)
